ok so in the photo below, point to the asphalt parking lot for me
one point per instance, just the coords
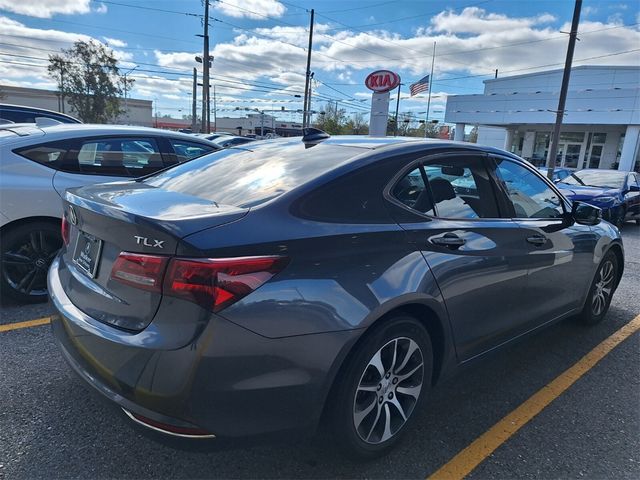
(52, 426)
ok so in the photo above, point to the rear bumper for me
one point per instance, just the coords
(227, 381)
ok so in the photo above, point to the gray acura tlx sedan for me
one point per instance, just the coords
(286, 284)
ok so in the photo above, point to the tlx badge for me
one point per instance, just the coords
(148, 242)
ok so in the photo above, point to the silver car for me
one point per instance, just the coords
(38, 163)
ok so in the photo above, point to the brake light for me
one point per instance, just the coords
(140, 271)
(65, 230)
(217, 283)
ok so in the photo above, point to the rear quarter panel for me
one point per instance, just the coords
(26, 189)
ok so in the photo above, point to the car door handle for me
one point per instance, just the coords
(537, 239)
(449, 240)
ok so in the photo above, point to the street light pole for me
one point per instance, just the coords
(126, 86)
(194, 100)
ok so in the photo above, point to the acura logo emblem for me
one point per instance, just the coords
(73, 218)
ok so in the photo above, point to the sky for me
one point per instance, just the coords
(260, 46)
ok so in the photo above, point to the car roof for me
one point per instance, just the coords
(43, 111)
(74, 130)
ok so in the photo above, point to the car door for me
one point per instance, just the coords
(107, 159)
(557, 252)
(472, 252)
(632, 196)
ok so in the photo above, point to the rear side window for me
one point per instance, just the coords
(131, 157)
(187, 150)
(411, 190)
(460, 188)
(50, 154)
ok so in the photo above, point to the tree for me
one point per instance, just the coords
(356, 125)
(88, 78)
(332, 120)
(473, 136)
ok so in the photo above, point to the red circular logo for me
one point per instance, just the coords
(382, 81)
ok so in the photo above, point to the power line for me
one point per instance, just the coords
(148, 8)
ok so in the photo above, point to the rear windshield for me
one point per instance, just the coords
(244, 178)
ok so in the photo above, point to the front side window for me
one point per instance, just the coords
(529, 196)
(112, 156)
(187, 150)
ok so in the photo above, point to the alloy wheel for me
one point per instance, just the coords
(388, 390)
(602, 288)
(25, 263)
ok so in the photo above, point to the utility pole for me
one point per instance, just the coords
(308, 75)
(307, 107)
(395, 129)
(553, 150)
(194, 101)
(205, 70)
(215, 110)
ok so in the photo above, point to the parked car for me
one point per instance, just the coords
(38, 164)
(213, 136)
(559, 173)
(22, 114)
(294, 284)
(231, 141)
(616, 192)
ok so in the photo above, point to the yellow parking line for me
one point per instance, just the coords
(469, 458)
(27, 324)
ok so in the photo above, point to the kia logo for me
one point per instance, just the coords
(382, 81)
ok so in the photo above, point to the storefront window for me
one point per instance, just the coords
(599, 138)
(571, 137)
(540, 148)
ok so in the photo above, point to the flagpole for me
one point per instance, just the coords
(426, 121)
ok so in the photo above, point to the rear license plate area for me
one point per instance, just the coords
(87, 253)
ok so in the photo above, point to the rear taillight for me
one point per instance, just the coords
(140, 271)
(217, 283)
(64, 230)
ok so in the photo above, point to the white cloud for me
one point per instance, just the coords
(256, 9)
(478, 21)
(46, 8)
(102, 8)
(114, 42)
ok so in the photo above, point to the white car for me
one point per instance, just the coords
(38, 163)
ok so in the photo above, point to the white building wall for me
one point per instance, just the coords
(610, 149)
(583, 77)
(491, 136)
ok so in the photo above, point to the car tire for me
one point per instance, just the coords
(26, 252)
(601, 291)
(622, 213)
(384, 383)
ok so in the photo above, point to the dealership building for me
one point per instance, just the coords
(134, 111)
(601, 125)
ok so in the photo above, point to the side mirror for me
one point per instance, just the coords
(634, 188)
(586, 214)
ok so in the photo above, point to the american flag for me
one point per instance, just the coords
(421, 85)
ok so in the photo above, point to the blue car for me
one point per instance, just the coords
(617, 193)
(559, 174)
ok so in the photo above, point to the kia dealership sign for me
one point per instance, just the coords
(382, 81)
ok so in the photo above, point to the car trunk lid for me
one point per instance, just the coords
(131, 218)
